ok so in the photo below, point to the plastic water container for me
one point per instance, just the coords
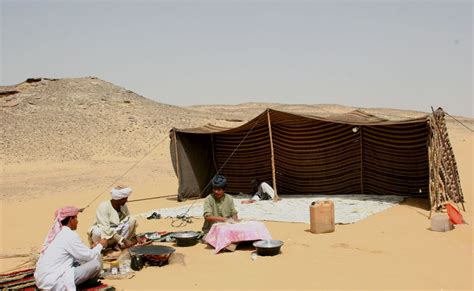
(440, 222)
(321, 216)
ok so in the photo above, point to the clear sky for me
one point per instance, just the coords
(395, 54)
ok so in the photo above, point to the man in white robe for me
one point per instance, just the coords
(64, 260)
(262, 190)
(113, 221)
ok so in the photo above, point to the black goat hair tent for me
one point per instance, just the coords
(351, 153)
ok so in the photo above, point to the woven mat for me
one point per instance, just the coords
(17, 280)
(295, 208)
(110, 276)
(25, 280)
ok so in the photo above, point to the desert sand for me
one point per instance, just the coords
(67, 141)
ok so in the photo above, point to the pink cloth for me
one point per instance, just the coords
(223, 234)
(59, 215)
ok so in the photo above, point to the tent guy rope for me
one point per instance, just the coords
(183, 219)
(125, 173)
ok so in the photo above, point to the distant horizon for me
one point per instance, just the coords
(243, 103)
(395, 55)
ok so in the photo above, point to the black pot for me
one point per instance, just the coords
(186, 238)
(136, 262)
(268, 247)
(152, 255)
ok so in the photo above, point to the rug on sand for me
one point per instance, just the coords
(22, 279)
(295, 208)
(25, 280)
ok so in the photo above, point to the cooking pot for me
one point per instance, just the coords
(186, 238)
(268, 247)
(153, 255)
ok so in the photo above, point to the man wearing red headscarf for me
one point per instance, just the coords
(64, 260)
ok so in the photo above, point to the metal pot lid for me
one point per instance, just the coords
(186, 234)
(152, 250)
(270, 243)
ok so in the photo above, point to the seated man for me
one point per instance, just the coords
(113, 221)
(62, 251)
(262, 190)
(218, 206)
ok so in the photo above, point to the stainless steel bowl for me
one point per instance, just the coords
(268, 247)
(186, 238)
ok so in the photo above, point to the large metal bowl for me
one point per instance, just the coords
(153, 255)
(186, 238)
(268, 247)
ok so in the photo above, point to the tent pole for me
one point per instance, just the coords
(213, 152)
(176, 156)
(430, 165)
(273, 156)
(361, 161)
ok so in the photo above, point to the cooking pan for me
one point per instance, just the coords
(153, 255)
(186, 238)
(268, 247)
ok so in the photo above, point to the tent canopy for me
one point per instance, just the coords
(348, 153)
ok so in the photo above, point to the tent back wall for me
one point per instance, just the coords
(395, 159)
(348, 154)
(313, 156)
(250, 159)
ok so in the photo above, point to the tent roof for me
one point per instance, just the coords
(355, 117)
(304, 153)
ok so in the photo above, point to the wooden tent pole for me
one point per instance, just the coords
(361, 161)
(213, 152)
(272, 155)
(176, 156)
(431, 184)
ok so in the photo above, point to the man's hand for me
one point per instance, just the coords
(232, 220)
(128, 243)
(103, 242)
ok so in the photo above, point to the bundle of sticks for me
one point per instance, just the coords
(444, 183)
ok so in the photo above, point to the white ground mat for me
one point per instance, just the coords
(347, 208)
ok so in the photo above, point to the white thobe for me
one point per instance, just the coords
(54, 270)
(112, 223)
(264, 188)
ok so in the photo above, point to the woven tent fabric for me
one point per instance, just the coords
(351, 153)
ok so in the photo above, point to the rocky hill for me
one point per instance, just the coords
(72, 119)
(88, 118)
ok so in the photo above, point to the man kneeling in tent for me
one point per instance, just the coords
(64, 260)
(113, 221)
(262, 190)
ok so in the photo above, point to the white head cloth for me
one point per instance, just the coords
(118, 194)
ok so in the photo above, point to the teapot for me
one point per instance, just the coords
(136, 262)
